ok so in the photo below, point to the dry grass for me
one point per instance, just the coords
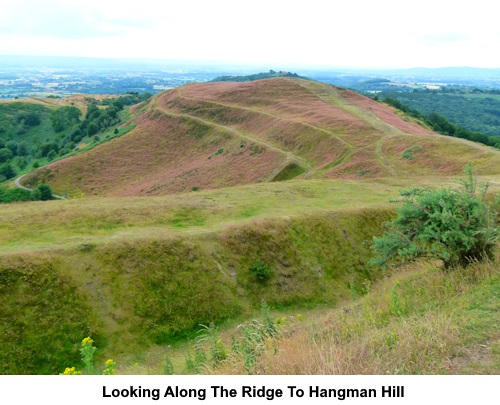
(420, 321)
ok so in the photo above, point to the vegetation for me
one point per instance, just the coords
(40, 193)
(477, 110)
(419, 320)
(258, 76)
(32, 135)
(139, 309)
(261, 271)
(64, 117)
(136, 274)
(452, 225)
(8, 195)
(441, 125)
(87, 351)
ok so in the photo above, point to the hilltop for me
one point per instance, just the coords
(213, 135)
(257, 76)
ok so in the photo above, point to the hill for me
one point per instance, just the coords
(215, 135)
(139, 273)
(258, 76)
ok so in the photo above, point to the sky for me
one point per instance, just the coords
(353, 33)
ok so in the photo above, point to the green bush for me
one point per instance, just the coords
(453, 225)
(261, 271)
(5, 154)
(52, 155)
(408, 153)
(42, 193)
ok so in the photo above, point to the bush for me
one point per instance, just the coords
(42, 193)
(261, 271)
(5, 154)
(52, 155)
(7, 171)
(452, 225)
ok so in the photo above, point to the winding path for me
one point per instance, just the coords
(17, 183)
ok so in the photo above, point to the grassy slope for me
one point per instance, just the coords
(129, 290)
(420, 320)
(216, 135)
(135, 272)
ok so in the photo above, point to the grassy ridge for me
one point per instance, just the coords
(131, 295)
(421, 320)
(71, 223)
(214, 135)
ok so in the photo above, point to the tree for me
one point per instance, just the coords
(52, 155)
(452, 225)
(5, 154)
(22, 149)
(42, 193)
(7, 171)
(64, 117)
(93, 128)
(12, 145)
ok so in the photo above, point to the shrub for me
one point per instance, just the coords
(42, 193)
(452, 225)
(408, 153)
(5, 154)
(7, 171)
(261, 271)
(22, 149)
(52, 155)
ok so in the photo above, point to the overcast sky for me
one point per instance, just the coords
(347, 33)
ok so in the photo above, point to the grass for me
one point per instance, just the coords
(69, 223)
(143, 272)
(139, 273)
(421, 320)
(289, 172)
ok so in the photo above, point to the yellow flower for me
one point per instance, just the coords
(87, 340)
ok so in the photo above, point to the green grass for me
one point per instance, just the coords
(289, 172)
(139, 273)
(61, 224)
(41, 132)
(146, 271)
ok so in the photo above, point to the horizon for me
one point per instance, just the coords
(358, 35)
(41, 59)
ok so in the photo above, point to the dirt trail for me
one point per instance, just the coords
(289, 155)
(255, 110)
(17, 183)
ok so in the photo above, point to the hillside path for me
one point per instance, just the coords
(17, 183)
(289, 155)
(279, 117)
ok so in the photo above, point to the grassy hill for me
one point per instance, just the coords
(138, 272)
(213, 183)
(258, 76)
(206, 136)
